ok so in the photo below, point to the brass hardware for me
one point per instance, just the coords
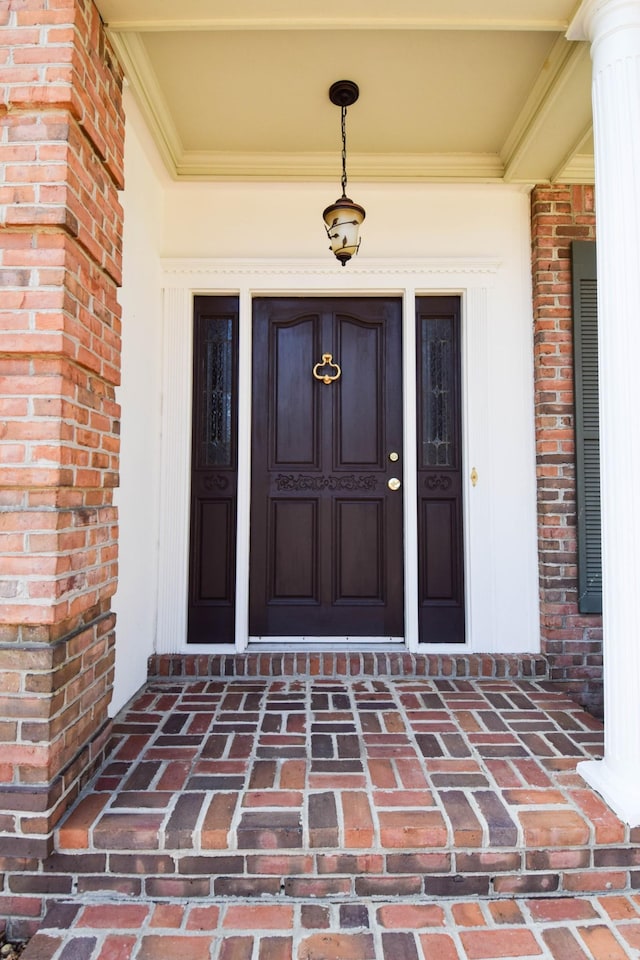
(474, 477)
(393, 483)
(327, 361)
(394, 457)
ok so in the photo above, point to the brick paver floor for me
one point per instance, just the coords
(323, 818)
(369, 787)
(586, 928)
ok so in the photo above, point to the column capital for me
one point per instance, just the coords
(596, 19)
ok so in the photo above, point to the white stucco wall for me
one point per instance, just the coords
(403, 220)
(228, 220)
(139, 397)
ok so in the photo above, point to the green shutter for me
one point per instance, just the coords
(585, 333)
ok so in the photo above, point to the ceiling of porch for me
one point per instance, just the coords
(449, 89)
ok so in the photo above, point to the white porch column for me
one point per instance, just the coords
(613, 27)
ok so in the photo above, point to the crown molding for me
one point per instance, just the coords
(548, 25)
(578, 166)
(579, 169)
(540, 112)
(144, 86)
(143, 15)
(196, 165)
(564, 60)
(185, 165)
(194, 272)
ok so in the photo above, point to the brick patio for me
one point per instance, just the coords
(347, 818)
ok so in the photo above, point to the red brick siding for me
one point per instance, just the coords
(61, 150)
(572, 641)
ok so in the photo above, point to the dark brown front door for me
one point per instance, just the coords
(326, 528)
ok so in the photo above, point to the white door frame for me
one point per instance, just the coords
(472, 279)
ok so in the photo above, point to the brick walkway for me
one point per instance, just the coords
(588, 928)
(380, 817)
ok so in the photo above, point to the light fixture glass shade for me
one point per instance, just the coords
(342, 222)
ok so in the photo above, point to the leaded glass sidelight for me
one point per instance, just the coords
(212, 552)
(438, 392)
(441, 600)
(216, 436)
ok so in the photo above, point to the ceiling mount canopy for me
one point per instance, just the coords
(342, 219)
(344, 93)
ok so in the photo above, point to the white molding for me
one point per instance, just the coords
(601, 20)
(213, 165)
(366, 167)
(478, 519)
(472, 278)
(456, 270)
(175, 467)
(144, 85)
(578, 29)
(192, 24)
(134, 21)
(410, 469)
(577, 167)
(558, 68)
(243, 496)
(547, 15)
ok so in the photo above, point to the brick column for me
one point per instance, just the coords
(61, 149)
(572, 641)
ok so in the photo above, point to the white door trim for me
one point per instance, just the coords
(473, 279)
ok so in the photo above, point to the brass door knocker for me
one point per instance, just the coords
(327, 361)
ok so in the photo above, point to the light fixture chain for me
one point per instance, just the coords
(342, 219)
(344, 151)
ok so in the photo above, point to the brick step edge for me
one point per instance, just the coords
(529, 666)
(272, 888)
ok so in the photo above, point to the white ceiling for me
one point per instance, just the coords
(475, 90)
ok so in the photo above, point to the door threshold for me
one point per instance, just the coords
(315, 644)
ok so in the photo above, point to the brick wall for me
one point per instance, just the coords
(61, 152)
(572, 641)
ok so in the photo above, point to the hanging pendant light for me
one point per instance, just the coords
(343, 218)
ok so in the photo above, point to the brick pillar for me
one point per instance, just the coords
(572, 641)
(61, 149)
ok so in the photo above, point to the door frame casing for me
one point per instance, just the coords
(472, 279)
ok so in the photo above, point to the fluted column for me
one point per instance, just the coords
(175, 454)
(613, 27)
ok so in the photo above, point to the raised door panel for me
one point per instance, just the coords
(439, 534)
(293, 551)
(293, 402)
(359, 401)
(359, 551)
(214, 578)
